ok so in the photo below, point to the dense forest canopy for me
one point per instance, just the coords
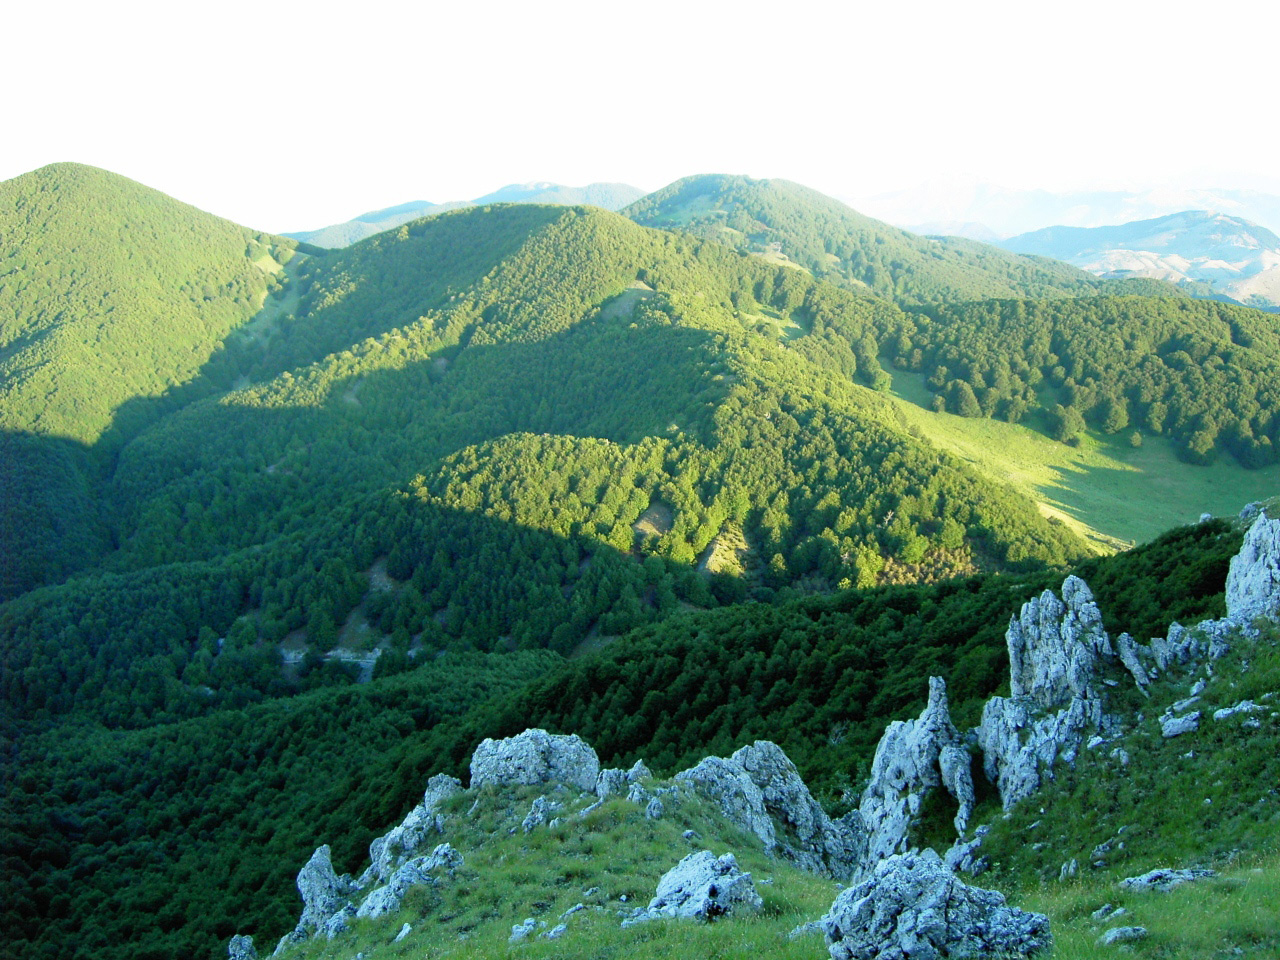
(843, 246)
(158, 842)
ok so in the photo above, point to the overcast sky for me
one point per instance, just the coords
(289, 116)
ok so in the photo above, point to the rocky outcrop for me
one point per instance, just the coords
(323, 891)
(914, 906)
(616, 781)
(913, 758)
(533, 758)
(760, 790)
(1171, 726)
(1253, 580)
(540, 813)
(1122, 935)
(395, 848)
(702, 886)
(241, 948)
(1056, 649)
(387, 898)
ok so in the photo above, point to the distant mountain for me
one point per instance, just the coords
(610, 196)
(1235, 257)
(956, 228)
(1010, 212)
(778, 219)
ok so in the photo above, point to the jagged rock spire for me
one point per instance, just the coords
(1253, 581)
(1054, 646)
(912, 758)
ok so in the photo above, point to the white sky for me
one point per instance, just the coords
(294, 116)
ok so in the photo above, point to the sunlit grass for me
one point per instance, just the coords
(1108, 491)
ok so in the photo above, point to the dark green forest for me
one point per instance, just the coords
(1203, 373)
(840, 245)
(159, 842)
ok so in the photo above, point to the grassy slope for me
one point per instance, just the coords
(1107, 491)
(611, 860)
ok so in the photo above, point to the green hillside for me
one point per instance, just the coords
(583, 431)
(191, 831)
(111, 291)
(112, 297)
(822, 235)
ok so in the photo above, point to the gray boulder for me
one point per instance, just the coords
(541, 811)
(1122, 935)
(241, 948)
(617, 781)
(323, 891)
(1171, 727)
(702, 886)
(1163, 879)
(759, 789)
(1253, 580)
(399, 845)
(912, 906)
(913, 758)
(533, 758)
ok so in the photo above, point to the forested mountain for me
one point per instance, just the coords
(610, 196)
(1231, 256)
(112, 297)
(836, 243)
(547, 421)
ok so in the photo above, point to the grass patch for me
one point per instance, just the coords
(1110, 493)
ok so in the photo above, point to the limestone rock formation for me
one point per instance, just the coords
(541, 811)
(533, 758)
(1055, 650)
(1171, 727)
(1253, 581)
(387, 899)
(1055, 646)
(1122, 935)
(616, 780)
(388, 852)
(702, 886)
(913, 758)
(323, 891)
(913, 906)
(241, 948)
(760, 790)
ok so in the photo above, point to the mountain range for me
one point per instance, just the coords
(987, 211)
(610, 196)
(1230, 256)
(285, 526)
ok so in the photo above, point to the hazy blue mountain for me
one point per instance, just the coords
(1009, 212)
(610, 196)
(1235, 257)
